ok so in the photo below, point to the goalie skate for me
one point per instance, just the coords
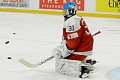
(86, 72)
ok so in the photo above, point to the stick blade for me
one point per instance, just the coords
(24, 62)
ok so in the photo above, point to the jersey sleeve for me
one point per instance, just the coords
(64, 34)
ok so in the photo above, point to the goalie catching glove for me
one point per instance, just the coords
(61, 51)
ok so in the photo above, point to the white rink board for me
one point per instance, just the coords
(89, 5)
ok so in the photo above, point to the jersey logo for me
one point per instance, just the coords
(73, 35)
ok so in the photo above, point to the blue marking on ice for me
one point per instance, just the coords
(115, 74)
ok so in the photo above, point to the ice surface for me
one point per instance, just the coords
(37, 34)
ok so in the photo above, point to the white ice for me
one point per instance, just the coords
(37, 34)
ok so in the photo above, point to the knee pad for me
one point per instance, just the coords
(89, 62)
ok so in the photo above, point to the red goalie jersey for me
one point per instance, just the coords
(78, 38)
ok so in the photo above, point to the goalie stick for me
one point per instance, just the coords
(26, 63)
(30, 65)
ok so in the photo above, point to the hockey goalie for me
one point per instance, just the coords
(72, 56)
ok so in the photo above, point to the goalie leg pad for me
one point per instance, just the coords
(68, 67)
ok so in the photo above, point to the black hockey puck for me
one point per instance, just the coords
(7, 42)
(14, 33)
(9, 57)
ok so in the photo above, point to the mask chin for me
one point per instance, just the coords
(67, 17)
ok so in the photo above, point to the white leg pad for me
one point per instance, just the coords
(68, 67)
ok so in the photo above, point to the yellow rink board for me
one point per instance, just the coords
(105, 15)
(107, 5)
